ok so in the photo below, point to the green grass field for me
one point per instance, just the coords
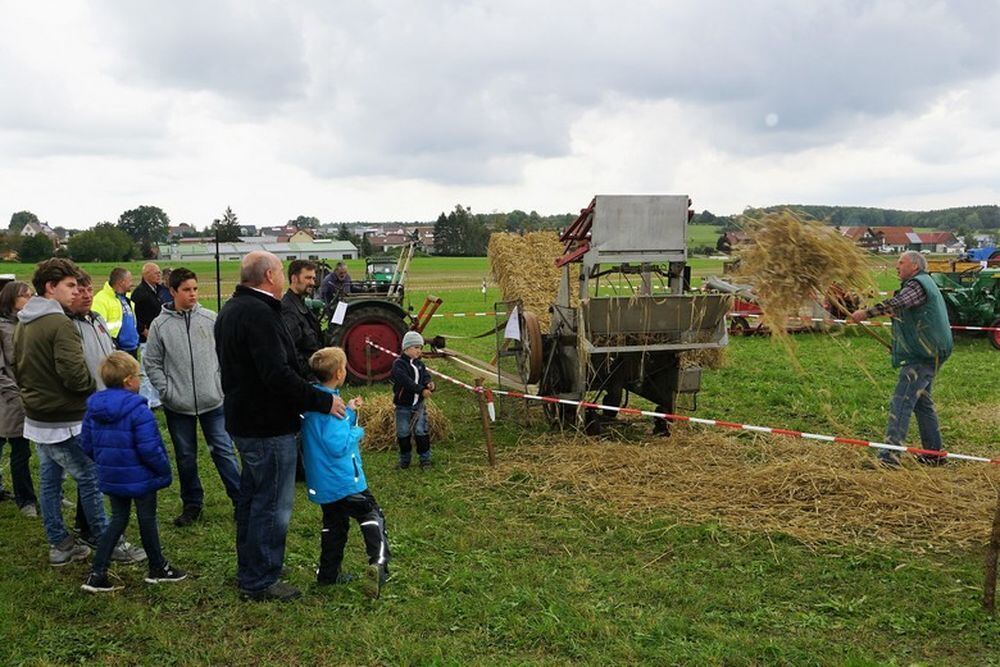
(488, 573)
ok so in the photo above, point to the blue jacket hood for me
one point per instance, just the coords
(110, 405)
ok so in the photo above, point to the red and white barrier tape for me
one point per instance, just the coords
(791, 433)
(850, 323)
(488, 313)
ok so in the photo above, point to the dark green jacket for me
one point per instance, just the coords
(922, 335)
(48, 361)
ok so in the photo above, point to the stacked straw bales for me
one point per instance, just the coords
(792, 262)
(378, 417)
(524, 268)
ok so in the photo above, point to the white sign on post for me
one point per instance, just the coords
(339, 312)
(513, 328)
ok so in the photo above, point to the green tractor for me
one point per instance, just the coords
(973, 299)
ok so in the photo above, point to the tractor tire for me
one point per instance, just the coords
(739, 326)
(995, 334)
(384, 327)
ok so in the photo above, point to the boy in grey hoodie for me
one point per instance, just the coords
(182, 365)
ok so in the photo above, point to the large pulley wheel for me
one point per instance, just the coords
(379, 325)
(530, 357)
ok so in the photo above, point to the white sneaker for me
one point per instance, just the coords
(30, 511)
(67, 552)
(128, 553)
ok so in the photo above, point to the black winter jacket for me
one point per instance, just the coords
(409, 378)
(265, 392)
(304, 329)
(146, 304)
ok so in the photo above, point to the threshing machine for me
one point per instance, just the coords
(605, 345)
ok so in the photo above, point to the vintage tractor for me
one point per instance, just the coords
(373, 310)
(972, 298)
(605, 347)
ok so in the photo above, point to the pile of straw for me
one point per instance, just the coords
(792, 262)
(524, 268)
(704, 357)
(378, 417)
(758, 484)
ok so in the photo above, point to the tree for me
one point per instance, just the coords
(103, 243)
(36, 248)
(20, 219)
(343, 234)
(146, 225)
(365, 248)
(228, 227)
(305, 222)
(447, 235)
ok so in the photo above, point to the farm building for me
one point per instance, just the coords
(327, 249)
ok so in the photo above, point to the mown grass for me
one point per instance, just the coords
(483, 576)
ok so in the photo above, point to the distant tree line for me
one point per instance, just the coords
(464, 233)
(963, 218)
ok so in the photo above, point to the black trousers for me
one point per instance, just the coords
(145, 512)
(363, 508)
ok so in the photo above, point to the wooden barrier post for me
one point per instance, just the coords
(992, 551)
(483, 413)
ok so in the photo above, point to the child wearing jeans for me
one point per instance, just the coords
(411, 386)
(335, 480)
(121, 435)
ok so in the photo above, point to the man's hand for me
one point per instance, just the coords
(430, 385)
(338, 407)
(859, 315)
(355, 403)
(426, 393)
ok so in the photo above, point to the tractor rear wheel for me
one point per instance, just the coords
(995, 334)
(380, 325)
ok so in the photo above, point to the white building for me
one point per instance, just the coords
(328, 249)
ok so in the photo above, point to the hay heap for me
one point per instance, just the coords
(818, 494)
(704, 358)
(792, 261)
(378, 417)
(524, 268)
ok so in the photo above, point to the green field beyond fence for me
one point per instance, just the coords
(519, 566)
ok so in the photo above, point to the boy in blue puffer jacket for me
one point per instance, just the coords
(335, 480)
(121, 436)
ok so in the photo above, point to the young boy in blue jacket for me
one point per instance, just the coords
(411, 386)
(335, 480)
(121, 436)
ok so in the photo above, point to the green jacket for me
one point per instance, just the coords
(49, 363)
(922, 335)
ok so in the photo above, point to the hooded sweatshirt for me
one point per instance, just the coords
(181, 362)
(121, 436)
(48, 360)
(97, 342)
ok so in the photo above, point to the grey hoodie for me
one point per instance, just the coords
(180, 360)
(97, 342)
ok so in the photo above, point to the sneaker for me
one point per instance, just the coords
(424, 465)
(375, 578)
(279, 590)
(188, 516)
(165, 574)
(88, 539)
(30, 510)
(99, 583)
(402, 465)
(68, 503)
(931, 460)
(128, 553)
(66, 552)
(341, 578)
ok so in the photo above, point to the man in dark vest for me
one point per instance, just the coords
(921, 342)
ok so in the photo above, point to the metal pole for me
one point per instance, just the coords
(490, 453)
(368, 362)
(218, 270)
(992, 551)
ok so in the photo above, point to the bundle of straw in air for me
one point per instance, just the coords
(524, 268)
(792, 262)
(378, 417)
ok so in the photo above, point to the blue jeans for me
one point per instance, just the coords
(183, 433)
(20, 472)
(54, 461)
(267, 490)
(411, 420)
(145, 512)
(146, 387)
(912, 395)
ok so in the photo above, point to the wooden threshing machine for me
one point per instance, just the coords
(606, 346)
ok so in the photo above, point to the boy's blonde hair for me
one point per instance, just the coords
(118, 367)
(326, 361)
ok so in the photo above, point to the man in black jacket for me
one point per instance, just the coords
(303, 326)
(264, 396)
(146, 304)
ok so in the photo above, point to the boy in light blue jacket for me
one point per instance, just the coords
(335, 480)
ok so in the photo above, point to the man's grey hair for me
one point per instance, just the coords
(340, 265)
(917, 259)
(255, 265)
(118, 274)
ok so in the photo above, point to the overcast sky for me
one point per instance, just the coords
(399, 110)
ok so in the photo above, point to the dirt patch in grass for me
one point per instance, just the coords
(816, 493)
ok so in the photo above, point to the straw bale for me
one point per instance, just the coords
(704, 357)
(818, 494)
(524, 268)
(792, 262)
(378, 417)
